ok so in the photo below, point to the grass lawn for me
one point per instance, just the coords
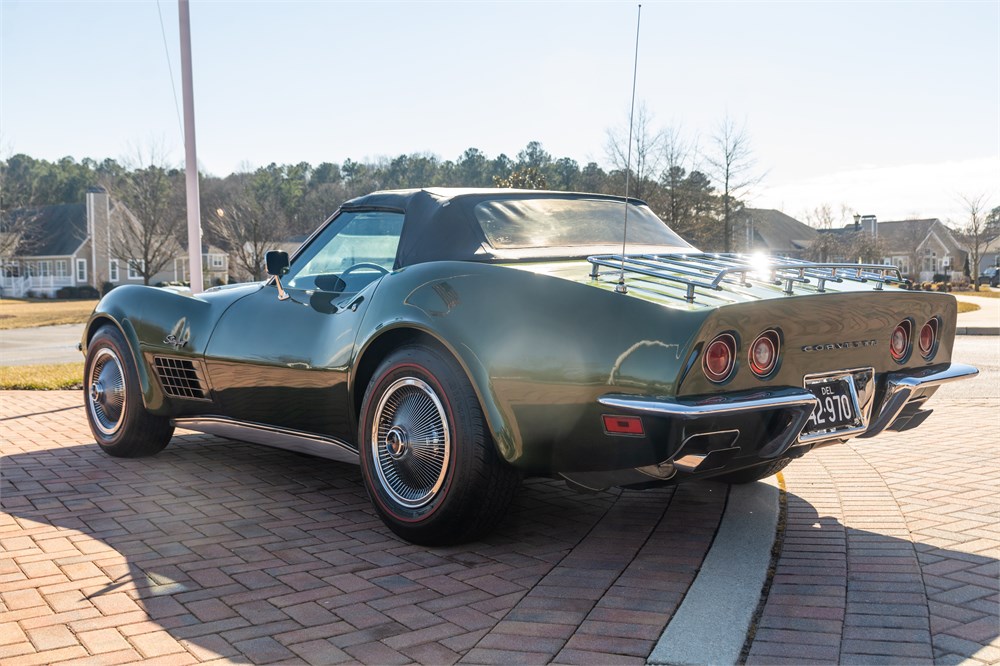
(28, 313)
(984, 292)
(41, 377)
(965, 306)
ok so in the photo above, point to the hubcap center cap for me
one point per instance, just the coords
(97, 392)
(396, 442)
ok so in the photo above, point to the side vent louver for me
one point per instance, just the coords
(181, 377)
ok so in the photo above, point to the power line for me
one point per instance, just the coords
(173, 86)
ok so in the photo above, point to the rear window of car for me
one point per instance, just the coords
(556, 222)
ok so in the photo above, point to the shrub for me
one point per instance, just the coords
(82, 292)
(106, 287)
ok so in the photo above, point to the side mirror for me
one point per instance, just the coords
(277, 265)
(276, 262)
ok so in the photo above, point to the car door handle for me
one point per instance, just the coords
(353, 305)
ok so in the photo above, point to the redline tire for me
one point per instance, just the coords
(427, 458)
(113, 401)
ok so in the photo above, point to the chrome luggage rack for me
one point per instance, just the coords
(710, 271)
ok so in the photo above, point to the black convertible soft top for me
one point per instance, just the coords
(508, 225)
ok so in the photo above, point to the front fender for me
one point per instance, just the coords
(161, 321)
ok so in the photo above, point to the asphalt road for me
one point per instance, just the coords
(982, 351)
(42, 345)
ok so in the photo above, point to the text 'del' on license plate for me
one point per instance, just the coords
(836, 411)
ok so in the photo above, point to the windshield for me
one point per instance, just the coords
(558, 222)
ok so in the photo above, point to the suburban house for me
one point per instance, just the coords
(69, 245)
(923, 248)
(920, 248)
(989, 254)
(772, 232)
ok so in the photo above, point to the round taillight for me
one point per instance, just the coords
(928, 338)
(720, 358)
(763, 354)
(899, 343)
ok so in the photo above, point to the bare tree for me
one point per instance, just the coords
(17, 195)
(825, 248)
(821, 217)
(14, 227)
(646, 160)
(910, 238)
(973, 233)
(247, 221)
(868, 249)
(733, 166)
(676, 161)
(146, 232)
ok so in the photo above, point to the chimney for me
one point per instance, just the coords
(869, 224)
(99, 231)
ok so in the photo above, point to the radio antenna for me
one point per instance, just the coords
(621, 288)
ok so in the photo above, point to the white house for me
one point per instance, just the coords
(69, 245)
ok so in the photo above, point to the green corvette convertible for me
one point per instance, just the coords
(453, 341)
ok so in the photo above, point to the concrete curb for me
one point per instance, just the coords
(977, 330)
(711, 625)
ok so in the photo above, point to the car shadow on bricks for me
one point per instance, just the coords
(847, 595)
(218, 547)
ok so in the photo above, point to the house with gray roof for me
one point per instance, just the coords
(920, 248)
(923, 248)
(69, 245)
(772, 232)
(989, 254)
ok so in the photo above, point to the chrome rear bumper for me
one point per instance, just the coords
(901, 398)
(910, 388)
(797, 403)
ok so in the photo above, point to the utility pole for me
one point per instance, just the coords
(190, 156)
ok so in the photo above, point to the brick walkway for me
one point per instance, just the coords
(891, 548)
(219, 549)
(222, 550)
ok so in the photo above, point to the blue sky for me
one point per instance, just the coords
(891, 108)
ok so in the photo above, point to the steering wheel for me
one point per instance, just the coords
(364, 264)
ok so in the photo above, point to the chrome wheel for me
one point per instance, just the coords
(410, 443)
(106, 392)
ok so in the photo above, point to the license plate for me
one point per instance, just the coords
(837, 406)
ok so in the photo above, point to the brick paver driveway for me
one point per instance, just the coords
(216, 548)
(222, 549)
(891, 547)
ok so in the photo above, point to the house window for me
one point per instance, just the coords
(45, 268)
(81, 270)
(62, 270)
(217, 261)
(113, 270)
(135, 268)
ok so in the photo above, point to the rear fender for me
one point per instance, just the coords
(538, 350)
